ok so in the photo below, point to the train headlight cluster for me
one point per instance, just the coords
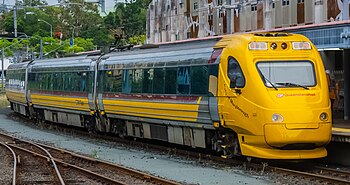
(301, 45)
(323, 116)
(277, 118)
(257, 46)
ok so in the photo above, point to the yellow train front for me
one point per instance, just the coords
(273, 93)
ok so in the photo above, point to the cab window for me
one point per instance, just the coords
(235, 74)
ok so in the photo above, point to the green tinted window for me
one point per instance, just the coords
(183, 80)
(158, 81)
(147, 81)
(199, 80)
(170, 80)
(136, 81)
(127, 79)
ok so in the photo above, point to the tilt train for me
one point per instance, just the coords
(262, 95)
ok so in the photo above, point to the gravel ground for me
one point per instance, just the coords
(6, 165)
(160, 165)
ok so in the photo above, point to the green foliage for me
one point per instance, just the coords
(137, 40)
(78, 19)
(131, 16)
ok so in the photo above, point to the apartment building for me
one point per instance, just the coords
(171, 20)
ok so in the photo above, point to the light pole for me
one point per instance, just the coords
(40, 20)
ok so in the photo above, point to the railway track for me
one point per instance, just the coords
(311, 175)
(73, 168)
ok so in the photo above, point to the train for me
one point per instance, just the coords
(258, 95)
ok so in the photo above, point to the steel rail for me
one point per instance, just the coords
(307, 174)
(14, 162)
(58, 174)
(133, 173)
(109, 180)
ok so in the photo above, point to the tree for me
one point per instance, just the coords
(129, 16)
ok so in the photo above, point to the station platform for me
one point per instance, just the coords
(341, 131)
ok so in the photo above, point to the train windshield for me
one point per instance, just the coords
(281, 74)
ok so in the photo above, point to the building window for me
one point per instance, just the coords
(285, 2)
(210, 16)
(219, 2)
(253, 7)
(221, 14)
(195, 5)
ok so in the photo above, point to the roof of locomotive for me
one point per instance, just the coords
(80, 63)
(18, 66)
(176, 54)
(231, 40)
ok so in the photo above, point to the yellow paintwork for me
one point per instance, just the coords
(249, 114)
(62, 102)
(170, 111)
(16, 96)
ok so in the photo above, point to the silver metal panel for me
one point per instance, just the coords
(213, 108)
(63, 118)
(71, 119)
(146, 130)
(175, 135)
(171, 135)
(129, 129)
(188, 136)
(178, 135)
(100, 101)
(48, 115)
(199, 138)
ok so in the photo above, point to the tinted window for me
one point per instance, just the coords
(235, 73)
(127, 79)
(158, 81)
(147, 81)
(170, 80)
(183, 80)
(136, 86)
(199, 80)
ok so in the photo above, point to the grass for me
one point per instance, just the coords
(3, 101)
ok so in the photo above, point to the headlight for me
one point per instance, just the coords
(323, 116)
(277, 118)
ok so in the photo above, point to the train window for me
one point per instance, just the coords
(170, 80)
(158, 81)
(147, 81)
(235, 73)
(287, 73)
(136, 86)
(112, 81)
(183, 80)
(127, 79)
(199, 79)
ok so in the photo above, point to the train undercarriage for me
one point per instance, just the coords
(220, 139)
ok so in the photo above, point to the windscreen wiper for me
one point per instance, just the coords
(270, 83)
(288, 84)
(273, 85)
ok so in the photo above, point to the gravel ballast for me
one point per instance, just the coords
(160, 165)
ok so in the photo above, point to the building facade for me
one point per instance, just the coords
(171, 20)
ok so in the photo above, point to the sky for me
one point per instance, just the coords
(109, 3)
